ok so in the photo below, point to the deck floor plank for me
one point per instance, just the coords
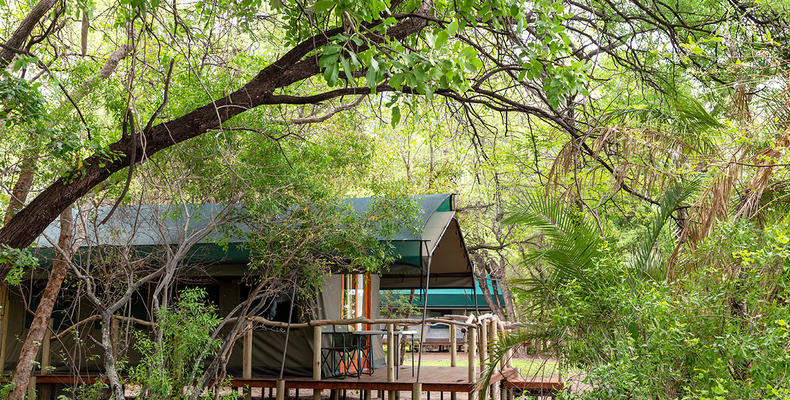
(434, 379)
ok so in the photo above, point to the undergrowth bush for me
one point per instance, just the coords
(720, 331)
(169, 367)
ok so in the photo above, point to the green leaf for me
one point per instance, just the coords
(346, 68)
(371, 79)
(323, 5)
(396, 81)
(395, 116)
(441, 39)
(330, 74)
(452, 28)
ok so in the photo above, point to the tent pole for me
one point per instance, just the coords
(424, 312)
(474, 293)
(287, 332)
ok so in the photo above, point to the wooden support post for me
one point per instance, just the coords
(246, 372)
(280, 389)
(495, 394)
(45, 353)
(453, 396)
(495, 340)
(483, 345)
(317, 360)
(471, 339)
(416, 391)
(45, 391)
(391, 395)
(4, 309)
(495, 391)
(31, 387)
(391, 349)
(453, 347)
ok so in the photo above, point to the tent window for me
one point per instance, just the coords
(356, 296)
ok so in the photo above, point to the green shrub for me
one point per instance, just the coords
(171, 365)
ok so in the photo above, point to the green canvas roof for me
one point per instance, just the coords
(439, 246)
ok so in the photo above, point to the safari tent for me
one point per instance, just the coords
(433, 257)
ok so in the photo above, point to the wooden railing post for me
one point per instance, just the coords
(45, 391)
(416, 391)
(391, 349)
(453, 347)
(483, 344)
(317, 360)
(453, 353)
(31, 387)
(280, 389)
(4, 309)
(494, 339)
(471, 350)
(246, 372)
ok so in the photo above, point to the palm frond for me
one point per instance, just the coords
(573, 243)
(497, 352)
(644, 260)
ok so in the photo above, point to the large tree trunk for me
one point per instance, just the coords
(35, 335)
(22, 32)
(294, 66)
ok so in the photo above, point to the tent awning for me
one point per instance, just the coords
(442, 247)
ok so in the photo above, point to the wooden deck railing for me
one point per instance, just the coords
(483, 332)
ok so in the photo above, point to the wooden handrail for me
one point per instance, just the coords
(352, 321)
(60, 335)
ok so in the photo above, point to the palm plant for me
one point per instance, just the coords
(573, 246)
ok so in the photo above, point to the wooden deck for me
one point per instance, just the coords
(434, 379)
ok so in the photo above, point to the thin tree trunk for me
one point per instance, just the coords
(507, 295)
(483, 283)
(29, 352)
(109, 357)
(21, 186)
(22, 32)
